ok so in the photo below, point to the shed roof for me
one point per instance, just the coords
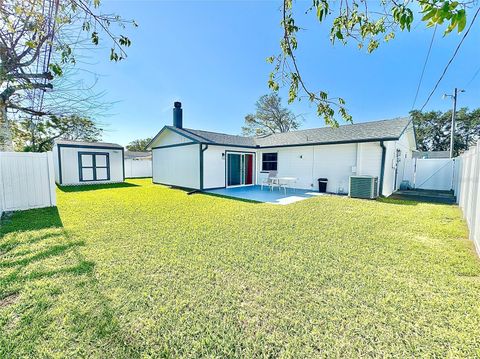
(359, 132)
(87, 144)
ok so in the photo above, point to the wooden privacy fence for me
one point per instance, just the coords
(467, 190)
(27, 180)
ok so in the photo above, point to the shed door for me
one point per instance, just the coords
(94, 166)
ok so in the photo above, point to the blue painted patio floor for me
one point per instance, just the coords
(255, 193)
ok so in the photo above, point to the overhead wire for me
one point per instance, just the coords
(424, 67)
(451, 59)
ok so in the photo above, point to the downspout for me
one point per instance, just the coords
(123, 164)
(382, 167)
(202, 150)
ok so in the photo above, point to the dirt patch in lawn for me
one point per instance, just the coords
(8, 300)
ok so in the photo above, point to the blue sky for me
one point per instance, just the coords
(210, 55)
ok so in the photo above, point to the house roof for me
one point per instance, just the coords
(137, 154)
(431, 154)
(87, 144)
(359, 132)
(366, 131)
(220, 138)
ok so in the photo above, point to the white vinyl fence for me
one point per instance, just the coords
(135, 168)
(434, 173)
(467, 190)
(27, 180)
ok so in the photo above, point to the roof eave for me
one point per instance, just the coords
(173, 129)
(333, 142)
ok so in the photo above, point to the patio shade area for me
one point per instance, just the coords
(275, 196)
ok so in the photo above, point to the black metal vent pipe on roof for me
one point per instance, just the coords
(177, 115)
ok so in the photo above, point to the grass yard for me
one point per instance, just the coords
(140, 270)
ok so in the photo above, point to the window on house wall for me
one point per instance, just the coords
(94, 166)
(269, 161)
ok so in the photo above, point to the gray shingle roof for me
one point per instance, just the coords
(137, 154)
(84, 143)
(222, 138)
(366, 131)
(359, 132)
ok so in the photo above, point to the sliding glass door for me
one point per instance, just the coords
(239, 169)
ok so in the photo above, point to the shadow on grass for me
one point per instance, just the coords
(412, 202)
(95, 187)
(24, 221)
(44, 278)
(401, 202)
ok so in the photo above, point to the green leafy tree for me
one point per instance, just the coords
(138, 145)
(37, 33)
(357, 21)
(270, 117)
(38, 135)
(433, 129)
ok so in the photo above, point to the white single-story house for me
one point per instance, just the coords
(203, 160)
(78, 163)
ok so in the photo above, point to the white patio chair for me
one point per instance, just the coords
(270, 180)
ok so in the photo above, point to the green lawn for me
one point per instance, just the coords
(140, 270)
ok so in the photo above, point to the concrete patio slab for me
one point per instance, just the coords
(275, 196)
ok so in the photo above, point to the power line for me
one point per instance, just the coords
(473, 77)
(451, 60)
(424, 67)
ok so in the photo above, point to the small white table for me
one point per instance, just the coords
(282, 182)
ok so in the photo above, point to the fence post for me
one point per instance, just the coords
(475, 207)
(51, 179)
(2, 191)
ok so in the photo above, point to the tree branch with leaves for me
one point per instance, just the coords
(33, 51)
(353, 21)
(38, 134)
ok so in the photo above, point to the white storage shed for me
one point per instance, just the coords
(80, 163)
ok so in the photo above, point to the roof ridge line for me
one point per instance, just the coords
(217, 133)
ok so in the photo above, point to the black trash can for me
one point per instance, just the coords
(322, 185)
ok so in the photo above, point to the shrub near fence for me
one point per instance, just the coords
(27, 180)
(467, 190)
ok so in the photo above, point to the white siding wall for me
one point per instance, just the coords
(69, 165)
(214, 165)
(369, 157)
(26, 181)
(308, 163)
(335, 162)
(177, 166)
(401, 168)
(169, 137)
(136, 168)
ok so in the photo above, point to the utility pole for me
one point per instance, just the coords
(452, 132)
(454, 112)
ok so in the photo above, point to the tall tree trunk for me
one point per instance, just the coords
(6, 143)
